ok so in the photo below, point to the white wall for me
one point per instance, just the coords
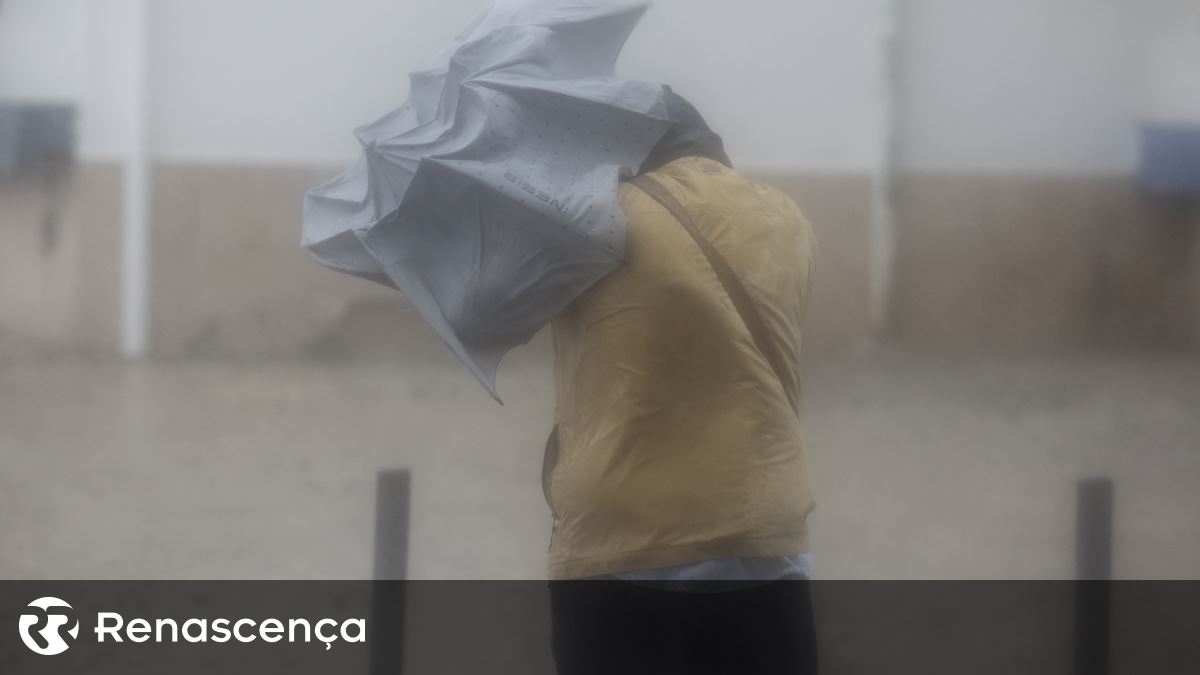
(284, 80)
(42, 50)
(76, 51)
(105, 125)
(794, 83)
(1173, 78)
(788, 82)
(1025, 85)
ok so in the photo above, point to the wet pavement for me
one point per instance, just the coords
(267, 470)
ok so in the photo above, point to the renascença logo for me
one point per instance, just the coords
(50, 626)
(47, 625)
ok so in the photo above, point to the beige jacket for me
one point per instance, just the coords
(677, 441)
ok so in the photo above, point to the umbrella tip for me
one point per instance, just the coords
(490, 387)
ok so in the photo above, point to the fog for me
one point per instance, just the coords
(1006, 302)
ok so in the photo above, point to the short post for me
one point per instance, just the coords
(392, 504)
(392, 507)
(1093, 569)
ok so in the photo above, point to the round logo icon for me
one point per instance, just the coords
(49, 626)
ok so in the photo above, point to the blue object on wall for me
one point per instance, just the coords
(1170, 161)
(36, 138)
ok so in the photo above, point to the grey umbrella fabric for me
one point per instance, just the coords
(490, 198)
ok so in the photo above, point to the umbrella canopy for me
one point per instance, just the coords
(490, 197)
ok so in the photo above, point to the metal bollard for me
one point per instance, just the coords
(1093, 569)
(392, 508)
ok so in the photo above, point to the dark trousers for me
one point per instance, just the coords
(622, 628)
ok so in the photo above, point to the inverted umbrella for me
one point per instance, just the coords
(490, 198)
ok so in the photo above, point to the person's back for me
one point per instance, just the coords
(677, 469)
(678, 441)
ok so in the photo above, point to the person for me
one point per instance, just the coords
(676, 472)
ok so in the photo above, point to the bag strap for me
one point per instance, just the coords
(742, 301)
(549, 461)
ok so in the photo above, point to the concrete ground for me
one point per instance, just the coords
(267, 470)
